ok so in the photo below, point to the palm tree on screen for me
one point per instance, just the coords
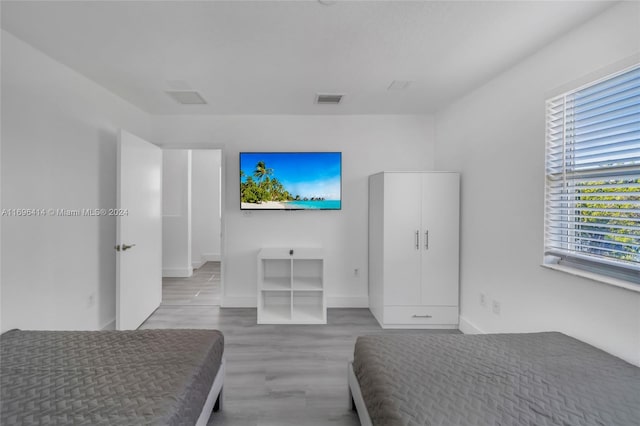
(262, 171)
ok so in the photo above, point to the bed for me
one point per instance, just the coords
(142, 377)
(502, 379)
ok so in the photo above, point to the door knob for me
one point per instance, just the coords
(123, 247)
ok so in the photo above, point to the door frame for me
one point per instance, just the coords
(223, 197)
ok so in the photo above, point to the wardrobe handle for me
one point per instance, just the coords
(426, 240)
(422, 316)
(417, 240)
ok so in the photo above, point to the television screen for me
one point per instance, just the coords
(290, 180)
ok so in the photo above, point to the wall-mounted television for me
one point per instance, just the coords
(290, 180)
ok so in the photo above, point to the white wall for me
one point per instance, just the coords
(205, 205)
(176, 213)
(59, 135)
(369, 144)
(495, 136)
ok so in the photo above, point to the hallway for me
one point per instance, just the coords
(202, 288)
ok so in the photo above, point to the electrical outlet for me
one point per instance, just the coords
(496, 307)
(356, 272)
(91, 300)
(483, 299)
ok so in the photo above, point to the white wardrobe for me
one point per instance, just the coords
(414, 249)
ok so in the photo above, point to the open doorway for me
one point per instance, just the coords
(192, 227)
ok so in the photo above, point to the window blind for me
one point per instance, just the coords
(592, 191)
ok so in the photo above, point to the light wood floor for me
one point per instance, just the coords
(202, 288)
(281, 375)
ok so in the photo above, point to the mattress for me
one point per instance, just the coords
(504, 379)
(144, 377)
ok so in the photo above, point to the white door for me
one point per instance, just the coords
(139, 231)
(402, 239)
(440, 239)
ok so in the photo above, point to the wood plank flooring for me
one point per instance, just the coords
(202, 288)
(281, 375)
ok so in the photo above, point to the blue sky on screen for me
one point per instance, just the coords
(308, 174)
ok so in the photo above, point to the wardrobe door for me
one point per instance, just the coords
(402, 238)
(440, 239)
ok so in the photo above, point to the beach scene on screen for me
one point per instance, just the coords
(290, 181)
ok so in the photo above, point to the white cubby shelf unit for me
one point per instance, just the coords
(291, 286)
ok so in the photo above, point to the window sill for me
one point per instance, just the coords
(593, 276)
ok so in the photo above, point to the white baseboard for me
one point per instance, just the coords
(348, 302)
(468, 327)
(211, 257)
(177, 272)
(111, 325)
(239, 302)
(206, 257)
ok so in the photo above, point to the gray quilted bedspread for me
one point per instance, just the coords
(145, 377)
(503, 379)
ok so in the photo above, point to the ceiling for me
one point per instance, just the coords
(272, 57)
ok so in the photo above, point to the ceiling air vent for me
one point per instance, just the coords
(329, 98)
(399, 85)
(186, 97)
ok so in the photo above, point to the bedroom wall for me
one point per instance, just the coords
(369, 144)
(205, 206)
(176, 213)
(495, 136)
(58, 151)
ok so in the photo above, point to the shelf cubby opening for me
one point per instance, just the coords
(276, 305)
(308, 306)
(307, 274)
(276, 274)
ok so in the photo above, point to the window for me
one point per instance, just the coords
(592, 192)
